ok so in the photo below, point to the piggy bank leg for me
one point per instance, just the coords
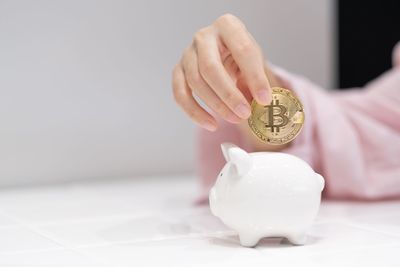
(297, 239)
(248, 240)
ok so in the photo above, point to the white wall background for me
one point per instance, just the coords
(85, 85)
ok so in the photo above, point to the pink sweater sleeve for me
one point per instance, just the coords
(351, 137)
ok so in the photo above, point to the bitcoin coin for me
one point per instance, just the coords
(279, 122)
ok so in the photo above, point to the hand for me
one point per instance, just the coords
(224, 68)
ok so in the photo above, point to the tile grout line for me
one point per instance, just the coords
(33, 227)
(364, 227)
(84, 220)
(20, 222)
(371, 229)
(63, 246)
(102, 218)
(31, 251)
(162, 239)
(76, 249)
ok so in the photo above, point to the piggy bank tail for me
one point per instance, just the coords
(321, 181)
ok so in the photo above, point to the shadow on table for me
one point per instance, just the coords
(267, 242)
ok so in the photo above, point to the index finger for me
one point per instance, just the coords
(247, 55)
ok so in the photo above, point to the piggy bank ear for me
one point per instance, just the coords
(225, 147)
(239, 158)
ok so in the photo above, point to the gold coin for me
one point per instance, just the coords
(279, 122)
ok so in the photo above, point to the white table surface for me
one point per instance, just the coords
(153, 222)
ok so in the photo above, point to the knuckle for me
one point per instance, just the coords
(193, 80)
(185, 55)
(260, 80)
(255, 77)
(226, 18)
(229, 97)
(177, 96)
(244, 47)
(220, 108)
(207, 66)
(200, 35)
(192, 113)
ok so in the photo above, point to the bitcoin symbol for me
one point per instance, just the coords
(275, 106)
(281, 121)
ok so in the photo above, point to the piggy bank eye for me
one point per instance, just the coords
(221, 174)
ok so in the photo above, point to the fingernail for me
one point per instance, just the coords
(243, 110)
(263, 96)
(209, 125)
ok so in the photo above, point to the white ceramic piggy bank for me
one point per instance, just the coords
(266, 194)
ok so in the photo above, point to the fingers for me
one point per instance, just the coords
(223, 58)
(200, 88)
(214, 74)
(247, 55)
(184, 98)
(231, 68)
